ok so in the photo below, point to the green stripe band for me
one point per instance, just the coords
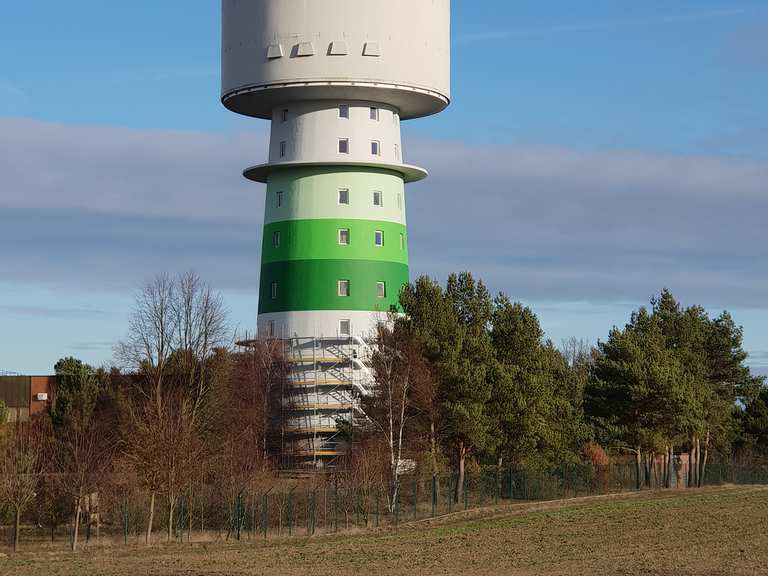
(313, 285)
(319, 240)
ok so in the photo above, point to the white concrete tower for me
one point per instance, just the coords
(335, 77)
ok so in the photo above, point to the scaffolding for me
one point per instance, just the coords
(327, 377)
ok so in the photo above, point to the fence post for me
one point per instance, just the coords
(357, 509)
(264, 514)
(290, 513)
(335, 507)
(239, 515)
(314, 509)
(434, 495)
(125, 518)
(397, 509)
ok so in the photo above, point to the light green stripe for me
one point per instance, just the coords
(312, 193)
(319, 240)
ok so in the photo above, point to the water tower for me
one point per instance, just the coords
(336, 78)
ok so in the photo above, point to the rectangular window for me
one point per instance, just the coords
(394, 118)
(343, 195)
(344, 111)
(397, 152)
(274, 290)
(345, 327)
(374, 113)
(344, 236)
(343, 288)
(399, 201)
(375, 147)
(381, 289)
(402, 242)
(343, 145)
(276, 239)
(271, 329)
(279, 198)
(377, 198)
(283, 149)
(379, 238)
(285, 115)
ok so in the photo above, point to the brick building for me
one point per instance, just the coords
(26, 396)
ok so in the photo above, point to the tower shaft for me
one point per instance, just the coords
(335, 77)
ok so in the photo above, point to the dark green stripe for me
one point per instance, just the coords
(313, 285)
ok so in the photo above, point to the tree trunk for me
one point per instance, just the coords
(638, 465)
(77, 525)
(17, 529)
(148, 540)
(704, 461)
(460, 478)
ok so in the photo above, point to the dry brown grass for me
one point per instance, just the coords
(711, 531)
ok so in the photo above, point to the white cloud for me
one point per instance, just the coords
(100, 206)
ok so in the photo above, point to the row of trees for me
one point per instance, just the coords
(181, 407)
(462, 379)
(464, 376)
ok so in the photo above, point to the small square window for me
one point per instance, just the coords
(343, 195)
(374, 113)
(344, 236)
(343, 287)
(343, 145)
(381, 289)
(375, 148)
(377, 198)
(279, 198)
(274, 290)
(379, 238)
(283, 149)
(285, 114)
(276, 239)
(345, 327)
(344, 111)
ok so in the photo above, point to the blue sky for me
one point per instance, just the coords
(611, 148)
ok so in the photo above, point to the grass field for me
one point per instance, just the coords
(710, 531)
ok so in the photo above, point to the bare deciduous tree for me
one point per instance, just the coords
(397, 366)
(175, 327)
(174, 333)
(21, 460)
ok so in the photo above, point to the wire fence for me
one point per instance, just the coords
(323, 505)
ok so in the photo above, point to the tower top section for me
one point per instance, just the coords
(395, 52)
